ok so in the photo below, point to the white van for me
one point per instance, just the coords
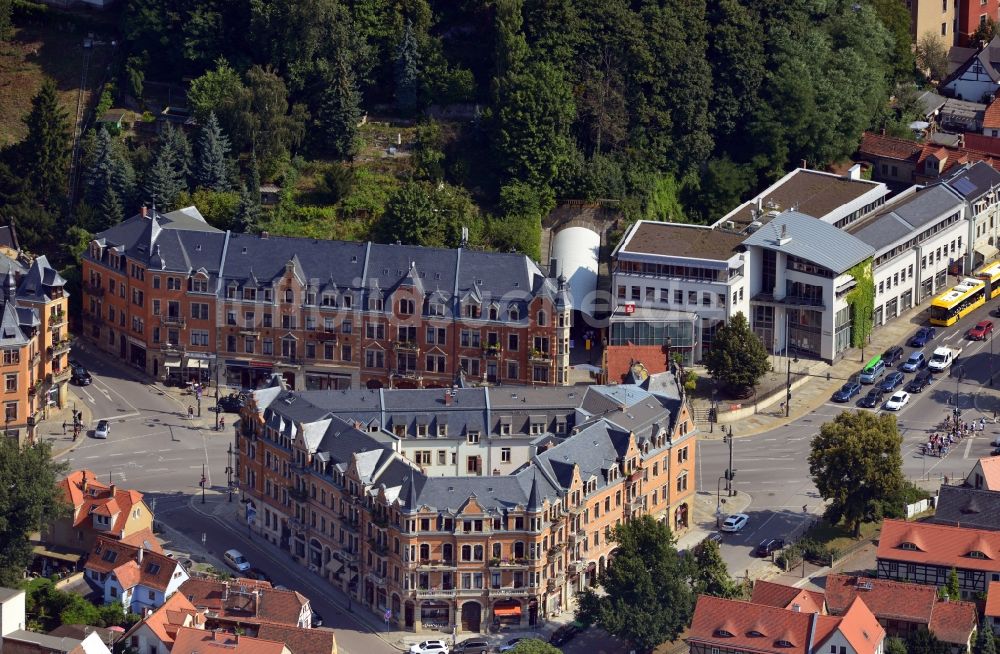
(236, 561)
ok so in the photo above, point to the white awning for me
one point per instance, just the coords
(334, 566)
(191, 362)
(176, 363)
(987, 251)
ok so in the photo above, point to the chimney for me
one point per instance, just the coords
(447, 397)
(854, 173)
(138, 555)
(803, 164)
(84, 482)
(111, 490)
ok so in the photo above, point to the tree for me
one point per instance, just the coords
(896, 18)
(646, 599)
(407, 71)
(162, 185)
(108, 167)
(6, 23)
(710, 574)
(176, 149)
(922, 641)
(855, 462)
(212, 165)
(895, 645)
(29, 501)
(110, 210)
(247, 220)
(985, 643)
(336, 123)
(410, 217)
(985, 32)
(953, 589)
(932, 56)
(221, 91)
(275, 127)
(738, 358)
(535, 646)
(45, 150)
(428, 158)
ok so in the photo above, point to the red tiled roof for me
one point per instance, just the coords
(143, 538)
(888, 147)
(785, 597)
(991, 118)
(940, 545)
(990, 466)
(861, 628)
(245, 600)
(734, 624)
(87, 496)
(993, 600)
(200, 641)
(299, 640)
(979, 143)
(894, 600)
(954, 622)
(112, 556)
(164, 622)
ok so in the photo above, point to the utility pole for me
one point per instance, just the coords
(217, 398)
(229, 472)
(204, 480)
(730, 473)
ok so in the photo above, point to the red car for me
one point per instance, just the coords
(982, 329)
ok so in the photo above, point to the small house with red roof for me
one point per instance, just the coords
(985, 475)
(788, 597)
(738, 627)
(138, 578)
(925, 553)
(103, 510)
(200, 641)
(156, 632)
(243, 603)
(991, 611)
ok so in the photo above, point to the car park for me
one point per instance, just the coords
(102, 430)
(565, 633)
(981, 331)
(920, 382)
(917, 361)
(923, 336)
(429, 647)
(235, 560)
(847, 391)
(472, 646)
(891, 381)
(898, 400)
(892, 355)
(768, 546)
(872, 399)
(735, 522)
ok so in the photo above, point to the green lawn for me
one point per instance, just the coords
(839, 537)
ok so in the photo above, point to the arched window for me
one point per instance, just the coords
(289, 296)
(477, 551)
(497, 550)
(446, 552)
(519, 550)
(494, 312)
(515, 313)
(542, 319)
(425, 551)
(466, 552)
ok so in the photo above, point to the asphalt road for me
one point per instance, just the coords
(773, 469)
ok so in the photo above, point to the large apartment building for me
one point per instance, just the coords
(438, 548)
(34, 342)
(180, 299)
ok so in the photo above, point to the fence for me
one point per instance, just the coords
(921, 506)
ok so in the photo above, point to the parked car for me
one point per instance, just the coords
(923, 336)
(80, 376)
(917, 361)
(898, 400)
(920, 382)
(316, 620)
(872, 399)
(872, 373)
(511, 644)
(735, 522)
(891, 381)
(981, 331)
(235, 560)
(472, 646)
(429, 647)
(102, 430)
(892, 355)
(768, 546)
(847, 391)
(231, 403)
(565, 633)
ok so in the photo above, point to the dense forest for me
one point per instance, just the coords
(673, 109)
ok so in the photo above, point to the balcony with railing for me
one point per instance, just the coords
(375, 578)
(36, 358)
(514, 591)
(173, 319)
(93, 289)
(492, 350)
(406, 346)
(510, 563)
(57, 319)
(171, 349)
(59, 376)
(352, 524)
(434, 564)
(556, 581)
(790, 300)
(381, 549)
(537, 356)
(407, 374)
(349, 556)
(298, 494)
(60, 348)
(436, 593)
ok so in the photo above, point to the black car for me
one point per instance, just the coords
(231, 403)
(565, 633)
(892, 355)
(769, 546)
(472, 646)
(316, 620)
(920, 382)
(80, 376)
(873, 399)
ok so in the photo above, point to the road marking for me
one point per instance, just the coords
(968, 446)
(96, 456)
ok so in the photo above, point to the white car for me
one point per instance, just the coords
(102, 430)
(429, 647)
(735, 522)
(897, 401)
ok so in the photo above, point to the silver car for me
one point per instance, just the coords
(103, 429)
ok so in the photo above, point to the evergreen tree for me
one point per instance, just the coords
(253, 178)
(176, 149)
(336, 127)
(212, 166)
(45, 150)
(407, 71)
(110, 210)
(6, 24)
(108, 167)
(162, 185)
(984, 639)
(953, 588)
(247, 220)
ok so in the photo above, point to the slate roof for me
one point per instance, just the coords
(973, 181)
(182, 241)
(931, 102)
(968, 507)
(813, 240)
(939, 545)
(907, 217)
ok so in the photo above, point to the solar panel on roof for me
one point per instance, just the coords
(964, 186)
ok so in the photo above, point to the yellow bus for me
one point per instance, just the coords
(958, 301)
(991, 275)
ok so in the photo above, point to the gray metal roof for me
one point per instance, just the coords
(811, 239)
(908, 216)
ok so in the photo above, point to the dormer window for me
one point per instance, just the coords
(514, 314)
(722, 633)
(782, 643)
(329, 300)
(471, 310)
(753, 633)
(909, 547)
(494, 312)
(976, 554)
(436, 308)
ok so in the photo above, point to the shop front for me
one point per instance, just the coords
(325, 380)
(247, 374)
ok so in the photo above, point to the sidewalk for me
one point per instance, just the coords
(52, 428)
(811, 385)
(228, 514)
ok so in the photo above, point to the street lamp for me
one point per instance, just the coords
(730, 473)
(204, 480)
(718, 503)
(788, 371)
(229, 472)
(217, 397)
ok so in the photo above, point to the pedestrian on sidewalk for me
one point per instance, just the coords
(190, 413)
(64, 427)
(222, 424)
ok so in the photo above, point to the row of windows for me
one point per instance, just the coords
(896, 279)
(635, 293)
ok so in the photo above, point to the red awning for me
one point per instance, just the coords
(507, 611)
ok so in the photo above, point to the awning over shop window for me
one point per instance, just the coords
(334, 566)
(191, 362)
(507, 611)
(987, 251)
(174, 363)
